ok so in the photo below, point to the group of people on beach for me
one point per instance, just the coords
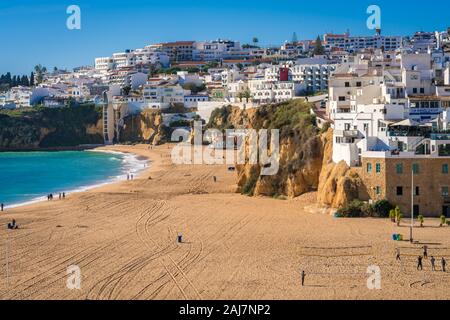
(61, 196)
(130, 176)
(425, 256)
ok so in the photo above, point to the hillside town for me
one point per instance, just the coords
(387, 98)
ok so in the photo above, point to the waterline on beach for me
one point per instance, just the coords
(120, 164)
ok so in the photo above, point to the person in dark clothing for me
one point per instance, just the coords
(443, 263)
(13, 225)
(2, 206)
(433, 266)
(419, 263)
(215, 179)
(397, 256)
(425, 252)
(64, 195)
(303, 277)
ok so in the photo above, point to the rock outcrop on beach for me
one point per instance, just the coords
(338, 183)
(305, 155)
(50, 128)
(145, 127)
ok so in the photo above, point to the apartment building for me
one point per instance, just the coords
(177, 51)
(264, 92)
(354, 44)
(390, 119)
(164, 95)
(126, 77)
(217, 50)
(312, 74)
(132, 58)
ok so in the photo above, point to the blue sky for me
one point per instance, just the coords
(34, 31)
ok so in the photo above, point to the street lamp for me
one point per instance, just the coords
(412, 206)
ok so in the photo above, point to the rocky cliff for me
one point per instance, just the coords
(146, 127)
(305, 155)
(47, 128)
(338, 183)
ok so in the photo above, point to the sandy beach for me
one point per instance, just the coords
(123, 238)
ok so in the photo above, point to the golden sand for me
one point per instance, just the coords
(123, 238)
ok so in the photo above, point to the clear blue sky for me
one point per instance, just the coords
(34, 31)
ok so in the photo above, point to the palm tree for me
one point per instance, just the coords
(247, 95)
(240, 96)
(443, 221)
(255, 41)
(39, 71)
(421, 219)
(398, 215)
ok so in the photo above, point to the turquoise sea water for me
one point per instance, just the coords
(28, 176)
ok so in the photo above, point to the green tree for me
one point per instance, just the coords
(32, 79)
(398, 215)
(318, 48)
(40, 71)
(443, 220)
(240, 96)
(255, 41)
(247, 95)
(392, 215)
(421, 219)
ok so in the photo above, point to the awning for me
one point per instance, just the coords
(406, 123)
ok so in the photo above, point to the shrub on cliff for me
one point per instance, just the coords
(357, 208)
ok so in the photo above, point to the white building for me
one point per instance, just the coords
(311, 74)
(371, 94)
(355, 44)
(264, 92)
(163, 96)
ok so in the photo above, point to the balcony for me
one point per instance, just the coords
(440, 136)
(347, 133)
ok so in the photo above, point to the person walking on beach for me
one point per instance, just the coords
(64, 195)
(419, 263)
(303, 277)
(215, 179)
(397, 256)
(425, 252)
(433, 260)
(128, 176)
(132, 177)
(60, 196)
(443, 263)
(2, 206)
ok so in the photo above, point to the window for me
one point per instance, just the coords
(422, 90)
(378, 168)
(399, 168)
(378, 190)
(445, 168)
(399, 191)
(414, 90)
(415, 168)
(369, 168)
(417, 191)
(347, 84)
(341, 98)
(358, 84)
(444, 191)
